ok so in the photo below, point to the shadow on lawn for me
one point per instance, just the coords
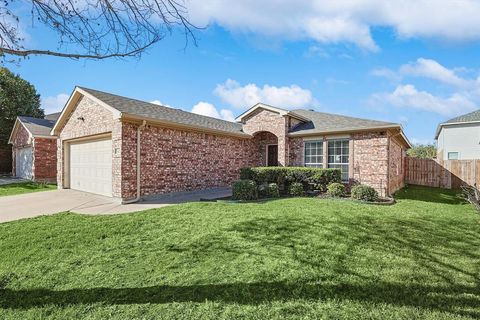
(430, 297)
(335, 248)
(439, 195)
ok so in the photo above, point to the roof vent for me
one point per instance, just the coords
(311, 110)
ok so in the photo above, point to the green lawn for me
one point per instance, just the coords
(24, 187)
(290, 258)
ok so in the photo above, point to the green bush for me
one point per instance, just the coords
(273, 191)
(296, 189)
(285, 176)
(364, 193)
(244, 190)
(269, 190)
(325, 177)
(336, 189)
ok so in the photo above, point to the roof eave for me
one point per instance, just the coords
(349, 130)
(446, 124)
(176, 125)
(299, 134)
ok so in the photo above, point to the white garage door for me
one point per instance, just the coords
(24, 163)
(91, 166)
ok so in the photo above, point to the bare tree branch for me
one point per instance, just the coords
(95, 29)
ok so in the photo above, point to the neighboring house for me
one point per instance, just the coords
(459, 138)
(126, 148)
(34, 150)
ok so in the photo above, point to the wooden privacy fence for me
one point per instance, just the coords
(450, 174)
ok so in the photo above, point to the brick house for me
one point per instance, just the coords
(126, 148)
(34, 149)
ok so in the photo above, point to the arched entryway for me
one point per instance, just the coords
(267, 148)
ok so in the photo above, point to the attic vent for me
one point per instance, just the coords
(311, 110)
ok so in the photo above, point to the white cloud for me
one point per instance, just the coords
(333, 21)
(407, 96)
(158, 102)
(422, 141)
(52, 104)
(227, 115)
(431, 69)
(386, 73)
(242, 97)
(208, 109)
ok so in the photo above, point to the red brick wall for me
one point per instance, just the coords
(177, 160)
(264, 120)
(397, 153)
(370, 160)
(296, 151)
(45, 159)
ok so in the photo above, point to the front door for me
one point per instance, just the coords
(272, 155)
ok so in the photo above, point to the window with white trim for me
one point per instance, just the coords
(338, 154)
(314, 154)
(452, 156)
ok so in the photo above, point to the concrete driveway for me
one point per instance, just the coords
(50, 202)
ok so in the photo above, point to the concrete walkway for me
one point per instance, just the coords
(50, 202)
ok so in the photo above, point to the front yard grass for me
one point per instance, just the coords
(288, 258)
(24, 187)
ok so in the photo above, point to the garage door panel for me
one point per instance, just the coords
(24, 163)
(91, 166)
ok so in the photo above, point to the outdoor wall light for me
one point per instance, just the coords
(81, 118)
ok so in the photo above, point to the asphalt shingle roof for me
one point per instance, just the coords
(37, 127)
(327, 122)
(154, 111)
(320, 122)
(472, 116)
(53, 116)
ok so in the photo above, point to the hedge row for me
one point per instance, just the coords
(285, 176)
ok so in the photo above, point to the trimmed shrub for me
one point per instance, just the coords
(273, 191)
(244, 190)
(325, 177)
(336, 189)
(285, 176)
(296, 189)
(364, 193)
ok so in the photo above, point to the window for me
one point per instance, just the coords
(453, 156)
(314, 154)
(338, 151)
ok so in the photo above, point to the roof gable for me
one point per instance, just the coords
(280, 111)
(36, 127)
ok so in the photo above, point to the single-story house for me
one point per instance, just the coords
(126, 148)
(459, 138)
(34, 149)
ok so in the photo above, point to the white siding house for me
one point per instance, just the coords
(459, 138)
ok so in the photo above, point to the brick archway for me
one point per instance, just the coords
(265, 143)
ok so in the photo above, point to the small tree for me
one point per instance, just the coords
(17, 98)
(424, 151)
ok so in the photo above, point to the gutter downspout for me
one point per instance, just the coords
(140, 127)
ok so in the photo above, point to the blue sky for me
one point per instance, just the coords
(398, 70)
